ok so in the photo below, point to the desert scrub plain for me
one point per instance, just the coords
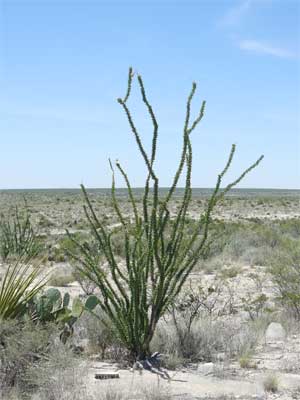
(233, 332)
(168, 293)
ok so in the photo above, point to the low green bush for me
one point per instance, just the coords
(249, 242)
(285, 271)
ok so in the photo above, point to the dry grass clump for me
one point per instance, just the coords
(150, 392)
(22, 345)
(205, 339)
(271, 383)
(101, 337)
(35, 364)
(156, 392)
(202, 325)
(246, 361)
(111, 394)
(60, 376)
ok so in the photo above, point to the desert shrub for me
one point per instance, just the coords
(211, 265)
(34, 362)
(172, 361)
(86, 284)
(59, 376)
(257, 239)
(250, 242)
(118, 243)
(165, 339)
(285, 271)
(82, 249)
(99, 332)
(247, 336)
(230, 272)
(260, 255)
(56, 254)
(202, 342)
(22, 345)
(159, 256)
(61, 279)
(67, 245)
(246, 361)
(17, 236)
(63, 247)
(290, 228)
(45, 222)
(181, 334)
(256, 305)
(207, 337)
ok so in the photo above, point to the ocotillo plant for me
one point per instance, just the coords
(159, 253)
(17, 236)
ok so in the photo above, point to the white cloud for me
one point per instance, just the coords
(236, 14)
(265, 48)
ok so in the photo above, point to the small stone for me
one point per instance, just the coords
(274, 332)
(221, 356)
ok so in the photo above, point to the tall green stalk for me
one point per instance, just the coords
(159, 253)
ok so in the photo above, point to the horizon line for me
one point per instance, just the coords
(142, 187)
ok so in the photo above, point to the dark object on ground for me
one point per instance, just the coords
(107, 375)
(152, 364)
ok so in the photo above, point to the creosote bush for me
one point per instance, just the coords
(159, 250)
(285, 271)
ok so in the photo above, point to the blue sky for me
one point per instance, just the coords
(64, 63)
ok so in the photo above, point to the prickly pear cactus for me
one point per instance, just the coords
(51, 306)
